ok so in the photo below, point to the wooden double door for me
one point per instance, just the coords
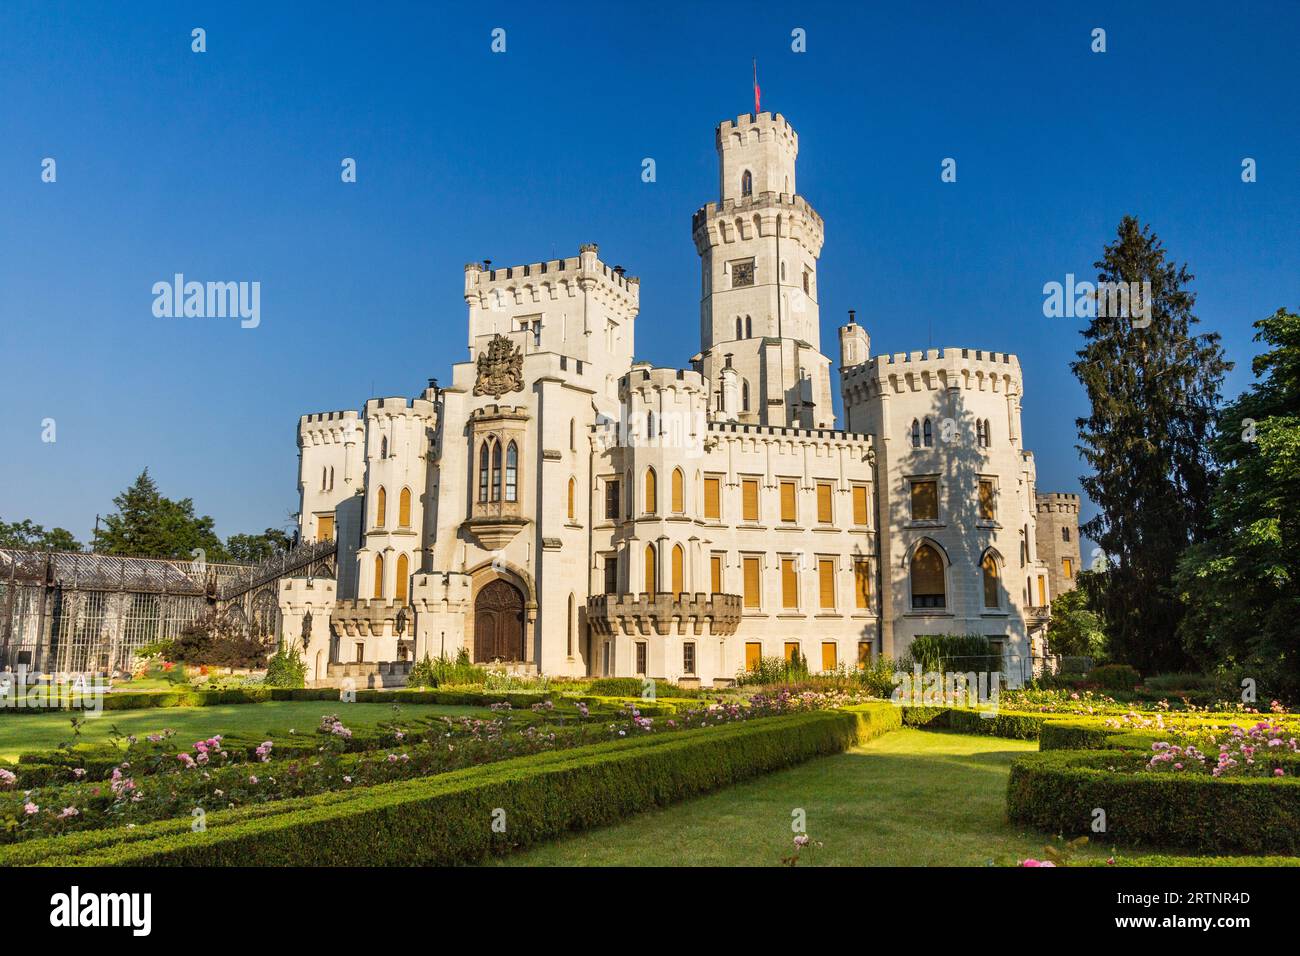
(499, 623)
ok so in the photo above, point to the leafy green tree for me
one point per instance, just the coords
(1074, 630)
(1153, 386)
(28, 534)
(1242, 586)
(150, 525)
(256, 548)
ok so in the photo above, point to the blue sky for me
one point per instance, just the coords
(225, 166)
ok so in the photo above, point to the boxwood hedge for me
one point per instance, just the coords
(448, 818)
(1060, 790)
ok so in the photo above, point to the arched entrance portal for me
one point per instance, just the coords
(498, 623)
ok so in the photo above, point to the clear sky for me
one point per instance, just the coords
(225, 165)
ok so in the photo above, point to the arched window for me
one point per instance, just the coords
(992, 592)
(928, 590)
(496, 471)
(324, 478)
(573, 433)
(929, 434)
(783, 272)
(573, 493)
(631, 493)
(651, 493)
(740, 334)
(573, 620)
(404, 508)
(747, 183)
(331, 477)
(916, 433)
(381, 507)
(679, 562)
(512, 472)
(744, 395)
(650, 579)
(383, 447)
(379, 576)
(403, 570)
(988, 434)
(650, 433)
(483, 471)
(979, 432)
(749, 327)
(678, 492)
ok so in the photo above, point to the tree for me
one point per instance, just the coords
(1154, 387)
(1242, 586)
(1074, 630)
(151, 525)
(27, 534)
(256, 548)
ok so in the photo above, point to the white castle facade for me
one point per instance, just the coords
(565, 509)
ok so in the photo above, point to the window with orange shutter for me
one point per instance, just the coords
(825, 510)
(749, 499)
(789, 583)
(860, 505)
(753, 582)
(862, 584)
(715, 573)
(713, 498)
(826, 582)
(679, 493)
(829, 658)
(789, 512)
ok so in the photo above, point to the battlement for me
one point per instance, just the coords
(943, 368)
(646, 376)
(327, 428)
(499, 411)
(747, 127)
(746, 206)
(1056, 501)
(399, 407)
(517, 285)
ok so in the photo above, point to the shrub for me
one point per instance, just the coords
(1115, 676)
(286, 669)
(440, 671)
(1057, 791)
(953, 652)
(775, 670)
(447, 819)
(634, 687)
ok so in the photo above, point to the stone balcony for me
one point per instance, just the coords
(1036, 615)
(664, 613)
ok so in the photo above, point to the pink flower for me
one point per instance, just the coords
(253, 780)
(1279, 772)
(30, 808)
(69, 812)
(7, 778)
(1032, 862)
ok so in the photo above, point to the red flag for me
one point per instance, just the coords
(756, 91)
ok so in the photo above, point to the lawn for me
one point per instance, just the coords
(910, 798)
(42, 731)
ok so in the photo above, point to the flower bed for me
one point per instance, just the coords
(449, 818)
(1257, 812)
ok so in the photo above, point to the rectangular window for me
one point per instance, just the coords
(829, 658)
(1067, 567)
(789, 583)
(753, 582)
(611, 499)
(742, 273)
(825, 508)
(925, 501)
(861, 584)
(864, 655)
(715, 573)
(791, 651)
(826, 583)
(753, 655)
(789, 505)
(860, 505)
(987, 511)
(641, 653)
(749, 499)
(361, 653)
(713, 498)
(1042, 591)
(688, 657)
(324, 527)
(611, 574)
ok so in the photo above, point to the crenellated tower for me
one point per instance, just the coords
(758, 246)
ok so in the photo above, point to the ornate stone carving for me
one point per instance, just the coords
(500, 369)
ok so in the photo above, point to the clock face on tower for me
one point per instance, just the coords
(742, 273)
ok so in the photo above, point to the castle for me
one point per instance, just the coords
(562, 508)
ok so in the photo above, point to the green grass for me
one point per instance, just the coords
(910, 798)
(20, 732)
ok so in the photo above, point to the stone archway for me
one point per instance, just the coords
(498, 623)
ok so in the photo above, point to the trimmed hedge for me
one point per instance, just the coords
(1058, 790)
(1002, 723)
(447, 819)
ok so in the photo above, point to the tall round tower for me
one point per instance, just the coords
(758, 246)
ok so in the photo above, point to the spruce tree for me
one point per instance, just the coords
(147, 524)
(1154, 388)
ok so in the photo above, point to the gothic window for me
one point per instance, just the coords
(744, 396)
(988, 434)
(403, 571)
(496, 471)
(1065, 535)
(928, 590)
(573, 615)
(651, 493)
(989, 566)
(979, 432)
(631, 490)
(749, 327)
(650, 577)
(573, 494)
(916, 433)
(573, 436)
(331, 477)
(404, 508)
(483, 471)
(747, 183)
(512, 472)
(679, 562)
(739, 329)
(379, 576)
(678, 492)
(611, 499)
(650, 426)
(929, 434)
(381, 507)
(324, 478)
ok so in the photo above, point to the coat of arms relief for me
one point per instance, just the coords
(500, 369)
